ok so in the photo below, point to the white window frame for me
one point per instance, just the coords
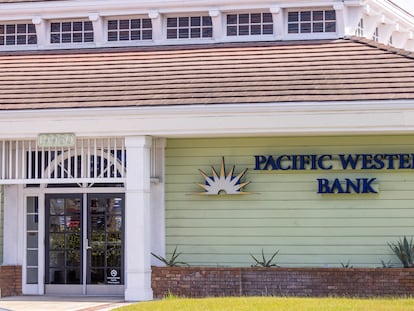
(261, 35)
(126, 42)
(310, 35)
(26, 34)
(68, 44)
(185, 40)
(246, 38)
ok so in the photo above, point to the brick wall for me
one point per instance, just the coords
(10, 281)
(207, 281)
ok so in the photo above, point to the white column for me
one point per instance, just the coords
(340, 18)
(278, 22)
(41, 31)
(218, 29)
(157, 27)
(137, 220)
(98, 28)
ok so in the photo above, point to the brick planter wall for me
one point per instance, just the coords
(10, 281)
(208, 281)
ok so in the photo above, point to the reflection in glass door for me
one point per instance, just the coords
(105, 235)
(63, 250)
(84, 248)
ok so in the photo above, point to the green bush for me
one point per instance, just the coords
(404, 250)
(171, 262)
(264, 262)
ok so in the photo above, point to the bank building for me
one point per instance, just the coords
(218, 127)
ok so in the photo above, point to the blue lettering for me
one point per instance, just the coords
(390, 158)
(323, 185)
(348, 160)
(270, 162)
(366, 185)
(322, 159)
(279, 163)
(404, 161)
(367, 162)
(336, 186)
(294, 160)
(352, 186)
(378, 160)
(359, 185)
(259, 160)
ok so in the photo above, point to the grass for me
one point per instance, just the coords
(272, 303)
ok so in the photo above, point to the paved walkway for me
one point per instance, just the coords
(57, 303)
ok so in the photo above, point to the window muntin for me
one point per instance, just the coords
(134, 29)
(17, 34)
(311, 21)
(375, 35)
(189, 27)
(71, 32)
(359, 32)
(249, 24)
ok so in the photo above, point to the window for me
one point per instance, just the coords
(32, 233)
(194, 27)
(317, 21)
(17, 34)
(359, 32)
(249, 24)
(71, 32)
(390, 40)
(130, 29)
(375, 35)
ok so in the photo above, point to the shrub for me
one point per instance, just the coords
(264, 262)
(172, 262)
(404, 250)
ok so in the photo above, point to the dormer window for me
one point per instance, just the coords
(17, 34)
(71, 32)
(129, 29)
(249, 24)
(311, 21)
(189, 27)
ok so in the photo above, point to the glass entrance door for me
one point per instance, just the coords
(84, 244)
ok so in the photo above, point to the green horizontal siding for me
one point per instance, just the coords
(284, 211)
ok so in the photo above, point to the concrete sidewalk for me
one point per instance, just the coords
(60, 303)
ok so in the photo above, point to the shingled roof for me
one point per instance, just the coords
(338, 70)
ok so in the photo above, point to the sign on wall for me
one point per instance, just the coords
(51, 140)
(223, 183)
(342, 162)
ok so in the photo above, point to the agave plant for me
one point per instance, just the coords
(267, 263)
(404, 250)
(347, 265)
(172, 262)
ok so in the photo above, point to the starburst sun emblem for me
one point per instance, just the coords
(223, 183)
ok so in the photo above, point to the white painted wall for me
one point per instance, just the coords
(13, 224)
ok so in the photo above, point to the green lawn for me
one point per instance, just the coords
(271, 303)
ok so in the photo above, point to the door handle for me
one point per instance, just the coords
(87, 246)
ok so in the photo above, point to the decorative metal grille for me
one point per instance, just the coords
(89, 160)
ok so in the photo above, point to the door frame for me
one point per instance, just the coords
(40, 192)
(84, 288)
